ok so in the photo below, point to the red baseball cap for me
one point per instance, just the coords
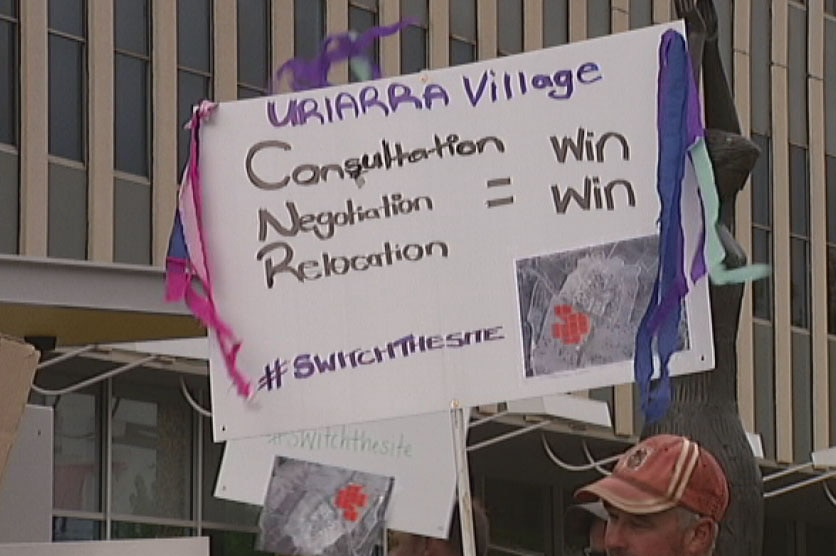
(662, 472)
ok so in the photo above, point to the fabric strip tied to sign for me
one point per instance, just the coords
(187, 266)
(351, 47)
(681, 138)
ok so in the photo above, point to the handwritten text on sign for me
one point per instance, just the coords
(373, 244)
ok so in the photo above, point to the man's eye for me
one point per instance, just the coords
(640, 523)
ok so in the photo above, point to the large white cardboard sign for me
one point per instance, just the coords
(480, 233)
(417, 451)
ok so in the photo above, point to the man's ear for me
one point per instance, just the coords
(702, 536)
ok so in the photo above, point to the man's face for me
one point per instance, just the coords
(659, 534)
(596, 535)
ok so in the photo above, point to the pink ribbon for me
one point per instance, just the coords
(188, 279)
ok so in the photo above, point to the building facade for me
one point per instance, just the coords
(93, 97)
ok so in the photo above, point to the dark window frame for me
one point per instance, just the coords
(83, 41)
(801, 239)
(208, 75)
(424, 27)
(252, 89)
(355, 6)
(145, 58)
(463, 40)
(830, 244)
(765, 142)
(502, 52)
(14, 23)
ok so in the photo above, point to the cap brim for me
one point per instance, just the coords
(625, 496)
(579, 517)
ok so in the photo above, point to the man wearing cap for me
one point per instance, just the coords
(666, 496)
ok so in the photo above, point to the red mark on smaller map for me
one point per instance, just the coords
(572, 327)
(349, 499)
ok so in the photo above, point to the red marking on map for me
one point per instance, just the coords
(572, 327)
(349, 499)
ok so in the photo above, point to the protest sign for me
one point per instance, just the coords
(417, 451)
(480, 233)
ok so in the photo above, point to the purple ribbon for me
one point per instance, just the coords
(313, 74)
(678, 126)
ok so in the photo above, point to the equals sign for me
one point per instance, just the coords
(499, 201)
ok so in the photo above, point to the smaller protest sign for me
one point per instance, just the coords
(417, 451)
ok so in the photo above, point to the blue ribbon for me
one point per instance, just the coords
(177, 241)
(681, 138)
(664, 311)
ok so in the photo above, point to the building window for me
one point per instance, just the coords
(763, 340)
(831, 360)
(802, 394)
(830, 178)
(72, 529)
(9, 73)
(830, 7)
(555, 23)
(462, 32)
(509, 33)
(77, 454)
(129, 451)
(253, 48)
(518, 514)
(799, 238)
(308, 28)
(830, 167)
(194, 64)
(132, 83)
(641, 13)
(414, 38)
(132, 131)
(151, 452)
(598, 18)
(9, 122)
(762, 290)
(67, 51)
(761, 68)
(67, 79)
(797, 76)
(362, 16)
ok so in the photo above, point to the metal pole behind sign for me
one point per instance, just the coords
(460, 418)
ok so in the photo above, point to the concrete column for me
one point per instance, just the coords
(164, 178)
(34, 128)
(100, 133)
